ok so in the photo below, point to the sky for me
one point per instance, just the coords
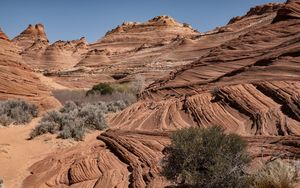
(72, 19)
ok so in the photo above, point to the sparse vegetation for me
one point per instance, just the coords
(276, 174)
(79, 96)
(105, 92)
(207, 158)
(16, 112)
(102, 89)
(134, 87)
(139, 84)
(73, 120)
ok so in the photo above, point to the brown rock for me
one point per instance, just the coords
(291, 10)
(30, 35)
(259, 10)
(17, 81)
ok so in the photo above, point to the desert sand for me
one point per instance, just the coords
(17, 153)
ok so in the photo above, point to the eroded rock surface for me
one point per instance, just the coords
(244, 77)
(17, 81)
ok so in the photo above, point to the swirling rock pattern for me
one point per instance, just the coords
(246, 80)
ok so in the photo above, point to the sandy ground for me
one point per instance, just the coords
(50, 83)
(17, 153)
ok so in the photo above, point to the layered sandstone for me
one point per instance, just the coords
(56, 56)
(244, 77)
(152, 49)
(42, 56)
(17, 81)
(30, 35)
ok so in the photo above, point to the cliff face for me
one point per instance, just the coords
(244, 77)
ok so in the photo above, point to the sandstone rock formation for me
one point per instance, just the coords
(132, 48)
(290, 11)
(17, 81)
(59, 55)
(244, 77)
(40, 55)
(153, 49)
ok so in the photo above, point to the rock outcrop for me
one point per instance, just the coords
(40, 55)
(290, 11)
(244, 77)
(152, 49)
(259, 10)
(30, 35)
(56, 56)
(17, 81)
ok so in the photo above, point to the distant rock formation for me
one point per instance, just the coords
(39, 54)
(17, 81)
(30, 35)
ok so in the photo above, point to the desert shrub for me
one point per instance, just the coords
(138, 84)
(93, 116)
(5, 120)
(75, 129)
(102, 88)
(276, 174)
(122, 87)
(68, 107)
(207, 158)
(79, 96)
(117, 105)
(17, 112)
(73, 120)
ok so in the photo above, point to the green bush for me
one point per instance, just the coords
(16, 112)
(276, 174)
(206, 158)
(73, 120)
(102, 88)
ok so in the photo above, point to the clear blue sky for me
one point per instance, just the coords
(72, 19)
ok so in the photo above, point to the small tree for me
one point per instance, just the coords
(207, 158)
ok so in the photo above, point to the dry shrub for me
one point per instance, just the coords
(16, 112)
(276, 174)
(206, 158)
(73, 120)
(79, 96)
